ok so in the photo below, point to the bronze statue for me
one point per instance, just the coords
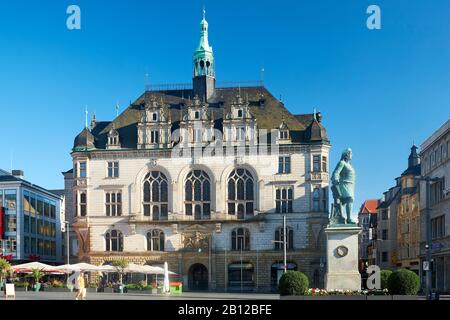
(343, 189)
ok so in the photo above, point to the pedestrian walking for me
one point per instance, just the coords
(81, 288)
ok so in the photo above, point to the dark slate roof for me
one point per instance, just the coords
(316, 132)
(305, 119)
(268, 111)
(84, 141)
(414, 170)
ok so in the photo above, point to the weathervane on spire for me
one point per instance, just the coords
(204, 13)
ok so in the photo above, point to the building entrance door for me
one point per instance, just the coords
(198, 277)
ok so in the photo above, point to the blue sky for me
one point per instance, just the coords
(378, 90)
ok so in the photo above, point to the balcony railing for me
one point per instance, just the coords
(81, 182)
(318, 176)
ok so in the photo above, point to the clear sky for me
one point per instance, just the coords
(378, 90)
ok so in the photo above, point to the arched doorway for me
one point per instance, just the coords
(198, 277)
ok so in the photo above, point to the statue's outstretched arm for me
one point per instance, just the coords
(337, 172)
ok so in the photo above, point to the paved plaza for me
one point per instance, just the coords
(185, 296)
(129, 296)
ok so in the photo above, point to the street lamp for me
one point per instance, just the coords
(428, 246)
(67, 241)
(284, 242)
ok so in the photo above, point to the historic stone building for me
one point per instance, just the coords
(201, 177)
(408, 216)
(396, 234)
(435, 152)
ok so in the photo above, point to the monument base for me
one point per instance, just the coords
(342, 258)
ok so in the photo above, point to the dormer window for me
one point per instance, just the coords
(240, 113)
(154, 117)
(261, 102)
(240, 134)
(284, 134)
(197, 115)
(113, 139)
(284, 131)
(154, 136)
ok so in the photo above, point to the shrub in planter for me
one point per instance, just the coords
(403, 282)
(92, 285)
(133, 286)
(22, 285)
(384, 276)
(293, 283)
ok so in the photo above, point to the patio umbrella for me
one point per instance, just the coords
(107, 268)
(28, 267)
(152, 270)
(157, 270)
(134, 268)
(166, 287)
(83, 267)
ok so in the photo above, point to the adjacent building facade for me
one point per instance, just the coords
(408, 216)
(396, 233)
(436, 164)
(201, 176)
(366, 220)
(383, 249)
(30, 220)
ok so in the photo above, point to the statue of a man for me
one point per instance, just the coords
(343, 187)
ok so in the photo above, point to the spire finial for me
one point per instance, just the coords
(117, 109)
(204, 13)
(86, 114)
(262, 75)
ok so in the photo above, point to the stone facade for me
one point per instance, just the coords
(203, 184)
(436, 164)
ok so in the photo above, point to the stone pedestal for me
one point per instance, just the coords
(342, 258)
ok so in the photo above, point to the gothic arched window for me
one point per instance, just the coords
(156, 195)
(198, 195)
(240, 193)
(279, 234)
(240, 239)
(114, 241)
(155, 240)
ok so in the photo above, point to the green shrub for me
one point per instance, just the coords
(93, 285)
(384, 278)
(147, 288)
(403, 282)
(21, 284)
(293, 283)
(133, 286)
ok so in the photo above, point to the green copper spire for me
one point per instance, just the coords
(203, 55)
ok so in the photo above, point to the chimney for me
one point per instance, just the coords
(18, 174)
